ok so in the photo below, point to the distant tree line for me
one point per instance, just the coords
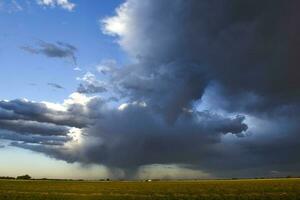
(23, 177)
(7, 177)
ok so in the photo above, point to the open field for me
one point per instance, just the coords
(168, 190)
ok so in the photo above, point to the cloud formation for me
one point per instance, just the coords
(90, 84)
(237, 45)
(45, 124)
(126, 137)
(54, 50)
(44, 112)
(211, 92)
(65, 4)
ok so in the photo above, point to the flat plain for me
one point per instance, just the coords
(262, 189)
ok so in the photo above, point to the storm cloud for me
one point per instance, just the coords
(23, 126)
(22, 109)
(134, 135)
(43, 123)
(213, 86)
(245, 47)
(224, 56)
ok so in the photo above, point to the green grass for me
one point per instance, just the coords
(167, 190)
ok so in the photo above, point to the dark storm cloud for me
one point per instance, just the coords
(245, 52)
(244, 46)
(238, 58)
(54, 50)
(167, 88)
(39, 112)
(137, 136)
(34, 139)
(54, 151)
(32, 127)
(35, 123)
(90, 89)
(274, 146)
(56, 86)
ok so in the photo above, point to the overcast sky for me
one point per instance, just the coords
(149, 89)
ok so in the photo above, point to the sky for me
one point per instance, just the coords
(149, 89)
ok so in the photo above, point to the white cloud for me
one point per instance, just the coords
(77, 69)
(90, 79)
(65, 4)
(123, 106)
(117, 25)
(77, 98)
(74, 98)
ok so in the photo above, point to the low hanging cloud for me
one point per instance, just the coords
(33, 127)
(34, 139)
(213, 93)
(21, 109)
(64, 4)
(130, 136)
(27, 122)
(54, 50)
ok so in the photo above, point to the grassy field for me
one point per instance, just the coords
(168, 190)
